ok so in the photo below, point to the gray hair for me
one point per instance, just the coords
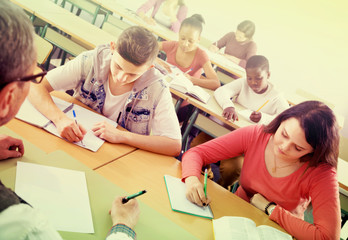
(17, 49)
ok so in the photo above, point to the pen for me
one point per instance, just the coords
(262, 106)
(126, 199)
(205, 182)
(188, 71)
(73, 111)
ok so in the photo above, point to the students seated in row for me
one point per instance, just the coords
(119, 81)
(239, 45)
(288, 164)
(254, 92)
(18, 220)
(169, 13)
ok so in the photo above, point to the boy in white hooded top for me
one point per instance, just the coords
(119, 81)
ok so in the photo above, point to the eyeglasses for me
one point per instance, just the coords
(36, 78)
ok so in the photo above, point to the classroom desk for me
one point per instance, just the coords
(50, 143)
(121, 10)
(101, 194)
(85, 32)
(145, 170)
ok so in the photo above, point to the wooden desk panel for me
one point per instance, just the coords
(145, 170)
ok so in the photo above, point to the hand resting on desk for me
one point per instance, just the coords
(230, 113)
(10, 147)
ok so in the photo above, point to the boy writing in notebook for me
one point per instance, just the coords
(117, 80)
(254, 92)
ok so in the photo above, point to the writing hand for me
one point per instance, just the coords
(68, 129)
(195, 191)
(127, 213)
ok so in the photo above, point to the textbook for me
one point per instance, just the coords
(28, 113)
(183, 84)
(229, 227)
(176, 192)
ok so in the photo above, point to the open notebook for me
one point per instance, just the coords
(229, 227)
(183, 84)
(178, 201)
(85, 117)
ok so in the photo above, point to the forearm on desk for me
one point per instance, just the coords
(157, 144)
(39, 96)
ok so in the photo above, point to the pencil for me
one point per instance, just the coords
(262, 106)
(205, 182)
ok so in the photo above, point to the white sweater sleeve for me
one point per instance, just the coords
(225, 93)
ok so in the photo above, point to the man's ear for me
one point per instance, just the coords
(7, 96)
(268, 74)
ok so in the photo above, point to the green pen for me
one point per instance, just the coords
(126, 199)
(205, 182)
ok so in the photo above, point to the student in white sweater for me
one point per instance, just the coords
(251, 92)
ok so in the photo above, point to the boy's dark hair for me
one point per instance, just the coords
(247, 27)
(196, 21)
(137, 45)
(258, 61)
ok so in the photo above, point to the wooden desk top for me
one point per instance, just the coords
(89, 34)
(50, 143)
(145, 170)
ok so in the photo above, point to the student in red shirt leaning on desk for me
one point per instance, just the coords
(288, 164)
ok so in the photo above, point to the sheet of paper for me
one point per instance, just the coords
(61, 194)
(178, 201)
(87, 119)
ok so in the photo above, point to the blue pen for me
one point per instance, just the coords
(73, 111)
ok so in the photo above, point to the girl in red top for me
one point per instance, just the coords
(288, 164)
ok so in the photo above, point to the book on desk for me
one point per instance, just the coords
(86, 118)
(182, 84)
(230, 227)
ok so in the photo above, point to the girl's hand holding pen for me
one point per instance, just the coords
(195, 191)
